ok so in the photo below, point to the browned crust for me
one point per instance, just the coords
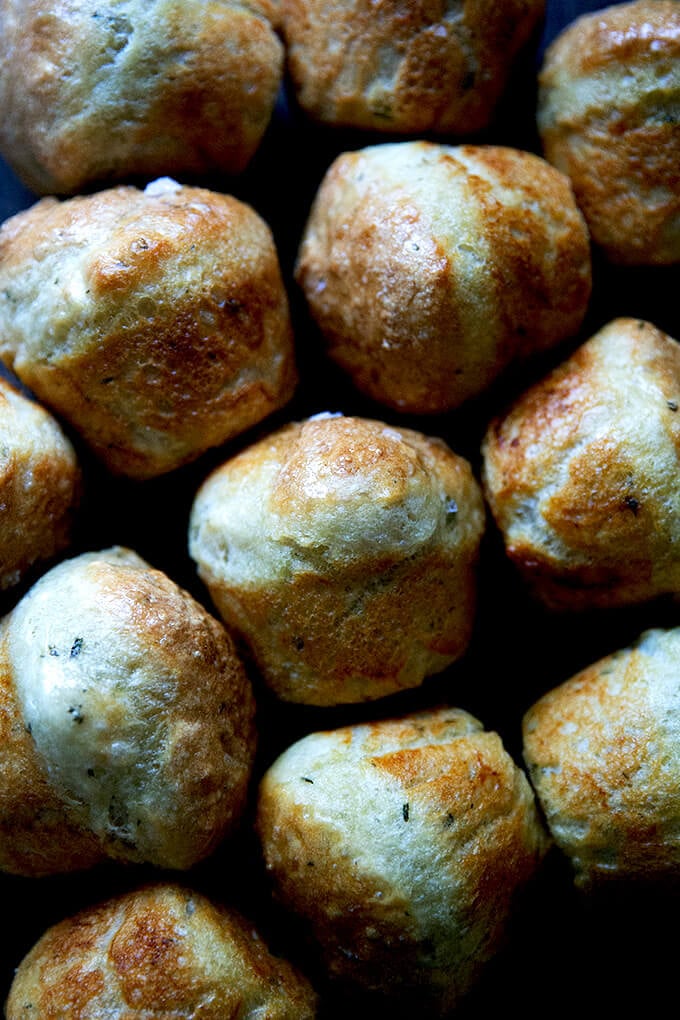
(617, 35)
(402, 319)
(477, 829)
(405, 68)
(195, 97)
(205, 711)
(210, 745)
(604, 530)
(352, 626)
(621, 150)
(158, 951)
(356, 636)
(40, 487)
(599, 749)
(156, 372)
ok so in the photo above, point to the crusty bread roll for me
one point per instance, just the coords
(40, 486)
(344, 553)
(126, 721)
(415, 68)
(160, 951)
(609, 93)
(430, 268)
(402, 844)
(603, 750)
(156, 322)
(581, 473)
(93, 93)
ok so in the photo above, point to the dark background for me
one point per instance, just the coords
(608, 952)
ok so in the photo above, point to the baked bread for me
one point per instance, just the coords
(343, 551)
(93, 94)
(603, 752)
(402, 844)
(430, 268)
(414, 69)
(581, 473)
(126, 721)
(155, 322)
(157, 952)
(40, 486)
(609, 93)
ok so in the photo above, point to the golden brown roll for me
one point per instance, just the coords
(414, 68)
(430, 268)
(156, 322)
(157, 952)
(40, 486)
(603, 750)
(93, 93)
(126, 721)
(344, 553)
(402, 844)
(581, 474)
(608, 117)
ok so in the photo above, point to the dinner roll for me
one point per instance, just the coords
(581, 473)
(343, 551)
(411, 68)
(609, 96)
(430, 268)
(126, 721)
(603, 750)
(156, 322)
(95, 93)
(40, 486)
(160, 951)
(402, 844)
